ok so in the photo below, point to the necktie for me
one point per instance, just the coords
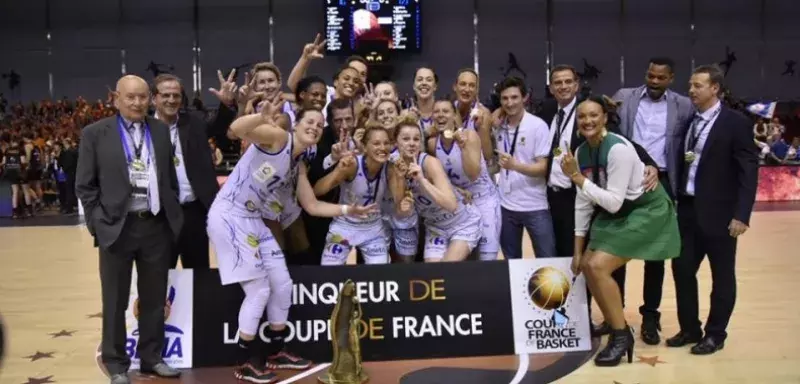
(557, 135)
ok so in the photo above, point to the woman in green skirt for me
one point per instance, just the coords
(620, 220)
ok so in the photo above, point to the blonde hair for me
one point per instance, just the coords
(266, 66)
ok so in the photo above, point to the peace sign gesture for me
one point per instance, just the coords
(370, 99)
(313, 51)
(247, 92)
(269, 109)
(227, 88)
(341, 149)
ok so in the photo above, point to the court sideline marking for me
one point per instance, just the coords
(304, 374)
(522, 369)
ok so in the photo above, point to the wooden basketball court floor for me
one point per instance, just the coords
(50, 303)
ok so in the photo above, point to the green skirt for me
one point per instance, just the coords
(644, 229)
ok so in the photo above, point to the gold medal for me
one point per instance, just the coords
(689, 157)
(137, 165)
(448, 134)
(557, 151)
(176, 160)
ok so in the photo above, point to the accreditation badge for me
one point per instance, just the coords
(557, 152)
(176, 160)
(689, 157)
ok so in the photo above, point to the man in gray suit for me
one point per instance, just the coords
(653, 116)
(129, 191)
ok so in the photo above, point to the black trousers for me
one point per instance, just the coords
(72, 199)
(192, 244)
(148, 242)
(317, 231)
(721, 251)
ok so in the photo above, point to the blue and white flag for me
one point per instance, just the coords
(765, 110)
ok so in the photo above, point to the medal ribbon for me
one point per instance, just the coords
(123, 132)
(560, 130)
(694, 135)
(511, 150)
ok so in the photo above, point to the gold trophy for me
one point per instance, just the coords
(346, 367)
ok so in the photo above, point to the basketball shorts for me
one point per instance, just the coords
(371, 239)
(466, 228)
(245, 247)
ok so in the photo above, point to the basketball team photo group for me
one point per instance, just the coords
(336, 212)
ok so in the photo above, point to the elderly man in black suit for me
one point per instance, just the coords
(129, 191)
(716, 193)
(191, 157)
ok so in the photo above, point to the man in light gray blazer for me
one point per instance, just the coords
(654, 116)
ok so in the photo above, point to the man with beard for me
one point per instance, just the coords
(652, 115)
(191, 157)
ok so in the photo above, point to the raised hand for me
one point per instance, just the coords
(270, 109)
(227, 88)
(569, 165)
(313, 51)
(414, 171)
(247, 92)
(461, 137)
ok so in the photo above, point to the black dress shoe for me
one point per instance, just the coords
(649, 332)
(683, 338)
(707, 346)
(161, 370)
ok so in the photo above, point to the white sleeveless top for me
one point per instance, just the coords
(258, 179)
(433, 213)
(364, 191)
(453, 165)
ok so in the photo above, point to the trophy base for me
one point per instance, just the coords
(326, 378)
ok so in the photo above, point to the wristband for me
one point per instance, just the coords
(344, 210)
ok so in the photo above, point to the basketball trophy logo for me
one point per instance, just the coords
(548, 289)
(346, 367)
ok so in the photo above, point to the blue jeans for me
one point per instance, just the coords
(540, 228)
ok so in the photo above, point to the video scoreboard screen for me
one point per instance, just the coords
(359, 26)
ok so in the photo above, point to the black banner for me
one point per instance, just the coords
(411, 311)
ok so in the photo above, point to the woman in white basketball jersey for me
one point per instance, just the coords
(246, 250)
(459, 150)
(452, 228)
(362, 180)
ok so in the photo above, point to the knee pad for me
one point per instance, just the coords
(281, 298)
(257, 294)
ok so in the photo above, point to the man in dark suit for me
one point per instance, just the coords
(129, 191)
(341, 117)
(191, 157)
(560, 114)
(719, 177)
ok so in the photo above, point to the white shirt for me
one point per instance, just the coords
(153, 202)
(557, 178)
(185, 191)
(519, 192)
(650, 127)
(624, 175)
(709, 117)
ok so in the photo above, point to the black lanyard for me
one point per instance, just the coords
(560, 130)
(137, 149)
(694, 135)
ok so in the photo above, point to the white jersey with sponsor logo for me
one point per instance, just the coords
(453, 165)
(363, 190)
(257, 178)
(428, 210)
